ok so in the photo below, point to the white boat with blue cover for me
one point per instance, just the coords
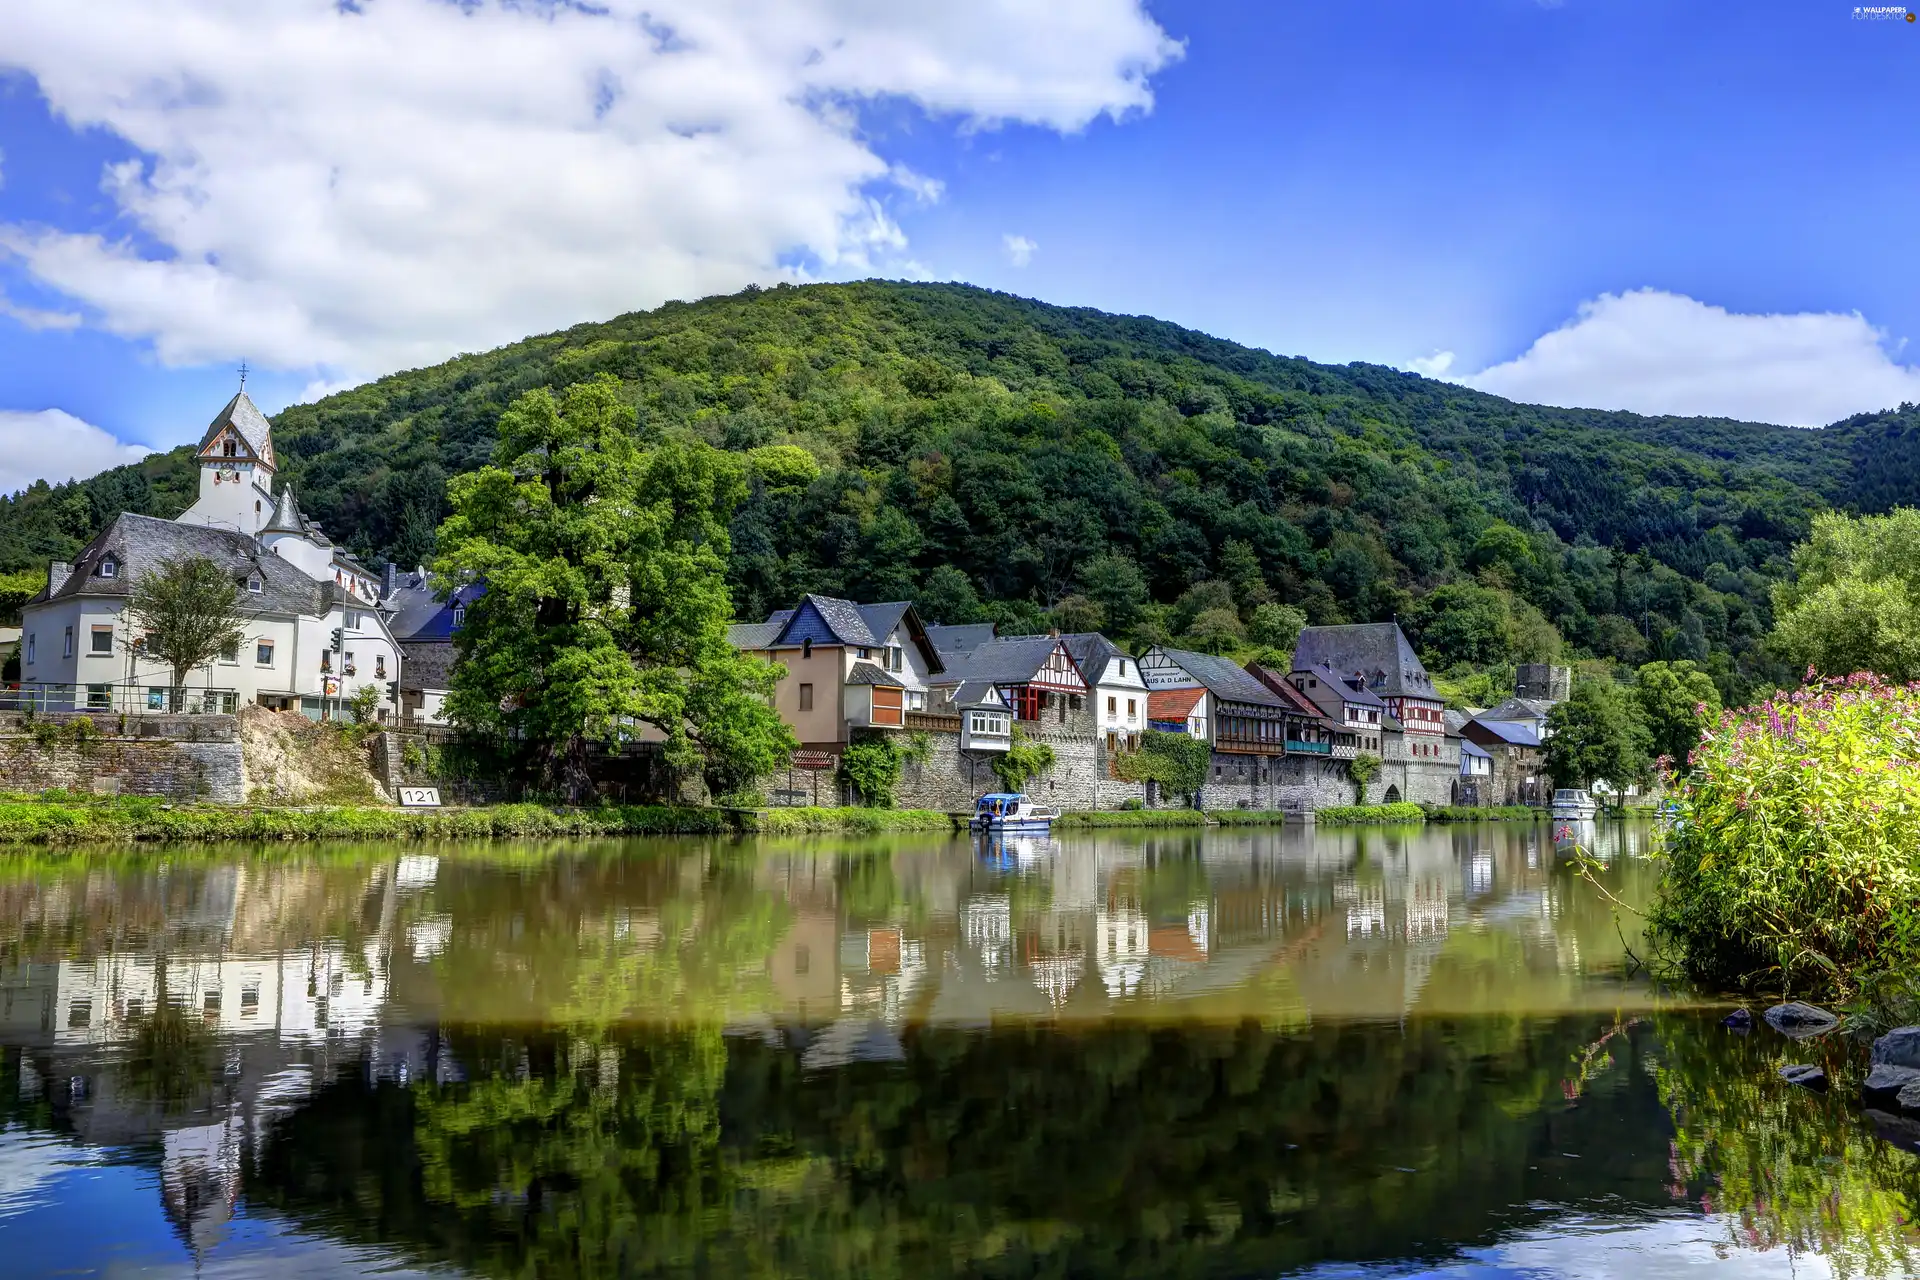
(1573, 804)
(1007, 811)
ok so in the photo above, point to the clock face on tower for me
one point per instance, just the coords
(230, 476)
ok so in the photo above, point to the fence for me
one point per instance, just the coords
(127, 698)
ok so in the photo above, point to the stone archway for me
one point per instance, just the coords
(1392, 796)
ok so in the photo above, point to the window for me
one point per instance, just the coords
(230, 651)
(109, 568)
(30, 648)
(346, 665)
(380, 666)
(899, 658)
(326, 659)
(99, 697)
(353, 620)
(227, 450)
(102, 641)
(66, 650)
(1123, 667)
(1113, 705)
(1132, 709)
(806, 648)
(865, 653)
(806, 697)
(156, 699)
(263, 653)
(459, 614)
(253, 584)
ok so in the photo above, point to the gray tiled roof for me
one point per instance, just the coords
(1091, 652)
(960, 638)
(1454, 720)
(975, 693)
(244, 417)
(1377, 651)
(414, 612)
(754, 635)
(1282, 688)
(1519, 733)
(139, 544)
(1014, 660)
(1468, 747)
(881, 619)
(1223, 679)
(868, 673)
(1519, 709)
(843, 619)
(286, 515)
(1338, 683)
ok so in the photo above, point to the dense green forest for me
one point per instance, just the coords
(992, 456)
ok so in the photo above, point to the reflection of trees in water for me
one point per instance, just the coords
(1119, 1151)
(1790, 1168)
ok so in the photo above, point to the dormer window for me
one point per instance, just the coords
(253, 584)
(459, 614)
(109, 568)
(227, 450)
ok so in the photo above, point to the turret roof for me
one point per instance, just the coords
(248, 423)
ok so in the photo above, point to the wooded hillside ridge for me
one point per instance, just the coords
(991, 456)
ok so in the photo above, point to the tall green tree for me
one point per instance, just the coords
(187, 610)
(1597, 735)
(1676, 699)
(1853, 603)
(606, 605)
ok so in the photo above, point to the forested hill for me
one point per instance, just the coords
(1028, 445)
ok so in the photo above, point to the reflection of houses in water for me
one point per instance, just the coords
(1120, 947)
(987, 928)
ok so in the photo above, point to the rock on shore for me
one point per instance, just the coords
(1798, 1020)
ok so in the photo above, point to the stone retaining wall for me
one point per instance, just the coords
(182, 758)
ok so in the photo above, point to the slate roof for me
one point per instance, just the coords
(415, 613)
(1519, 709)
(1223, 679)
(1172, 704)
(869, 673)
(1012, 660)
(843, 619)
(286, 515)
(1518, 732)
(1282, 688)
(1377, 651)
(245, 418)
(1454, 720)
(1468, 747)
(1091, 652)
(754, 635)
(976, 693)
(139, 544)
(960, 638)
(881, 619)
(1335, 681)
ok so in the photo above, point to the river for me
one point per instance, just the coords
(1232, 1053)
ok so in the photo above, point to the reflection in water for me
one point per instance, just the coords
(1234, 1053)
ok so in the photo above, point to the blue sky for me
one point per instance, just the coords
(1707, 201)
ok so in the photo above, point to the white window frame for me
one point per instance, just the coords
(31, 638)
(253, 583)
(93, 641)
(259, 647)
(69, 644)
(109, 568)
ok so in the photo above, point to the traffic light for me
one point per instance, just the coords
(393, 692)
(336, 638)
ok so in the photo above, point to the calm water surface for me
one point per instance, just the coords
(1225, 1054)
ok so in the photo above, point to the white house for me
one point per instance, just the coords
(312, 633)
(1118, 690)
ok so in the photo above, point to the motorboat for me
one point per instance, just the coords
(1011, 811)
(1571, 804)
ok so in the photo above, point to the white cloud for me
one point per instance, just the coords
(54, 445)
(357, 188)
(1665, 353)
(1019, 249)
(35, 318)
(1433, 366)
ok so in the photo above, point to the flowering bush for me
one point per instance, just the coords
(1796, 858)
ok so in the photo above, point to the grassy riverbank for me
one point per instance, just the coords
(1491, 813)
(1134, 818)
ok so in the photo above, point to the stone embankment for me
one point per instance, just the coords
(1890, 1093)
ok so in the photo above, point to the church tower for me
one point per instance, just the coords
(236, 470)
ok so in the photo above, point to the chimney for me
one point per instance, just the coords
(57, 572)
(388, 577)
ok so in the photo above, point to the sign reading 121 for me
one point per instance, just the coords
(420, 797)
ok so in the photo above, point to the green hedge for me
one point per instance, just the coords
(856, 821)
(1350, 815)
(1134, 818)
(1250, 817)
(1478, 813)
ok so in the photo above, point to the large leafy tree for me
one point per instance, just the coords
(1676, 698)
(186, 610)
(1597, 735)
(606, 605)
(1853, 603)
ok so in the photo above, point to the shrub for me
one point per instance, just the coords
(1175, 761)
(872, 769)
(1133, 802)
(1021, 763)
(1347, 815)
(1795, 860)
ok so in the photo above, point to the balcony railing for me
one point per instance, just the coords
(123, 698)
(1296, 747)
(1345, 750)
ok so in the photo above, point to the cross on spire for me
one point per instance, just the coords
(243, 375)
